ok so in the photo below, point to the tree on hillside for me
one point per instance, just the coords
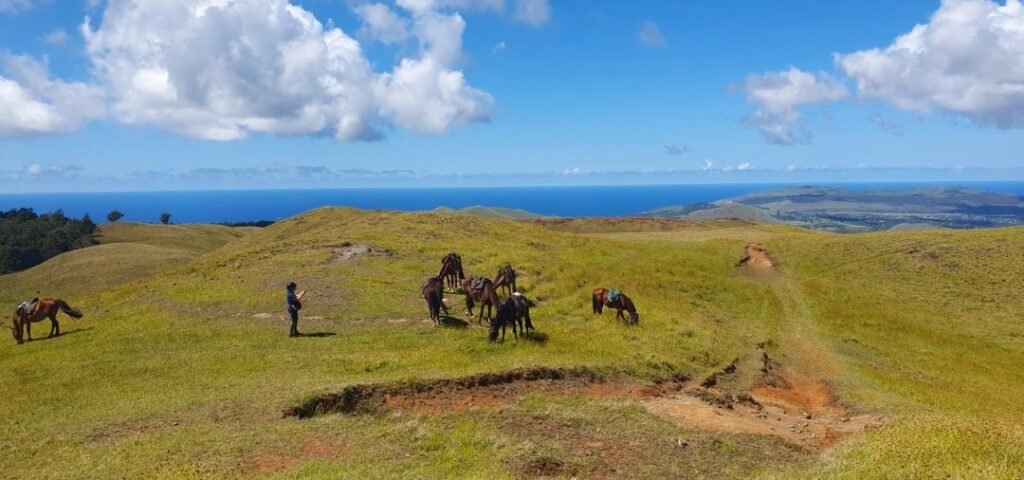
(165, 218)
(28, 239)
(114, 216)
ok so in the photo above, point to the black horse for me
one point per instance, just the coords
(451, 271)
(433, 293)
(514, 312)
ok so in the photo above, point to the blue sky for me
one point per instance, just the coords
(511, 92)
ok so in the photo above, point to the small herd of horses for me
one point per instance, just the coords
(512, 312)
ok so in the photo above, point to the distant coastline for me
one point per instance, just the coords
(576, 201)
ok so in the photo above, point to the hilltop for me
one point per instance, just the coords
(891, 354)
(492, 212)
(842, 210)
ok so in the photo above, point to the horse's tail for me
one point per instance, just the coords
(64, 307)
(596, 303)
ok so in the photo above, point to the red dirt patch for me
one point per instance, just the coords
(757, 260)
(802, 412)
(310, 449)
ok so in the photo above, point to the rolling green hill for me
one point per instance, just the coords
(908, 342)
(126, 252)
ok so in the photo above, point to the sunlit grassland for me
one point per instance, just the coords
(185, 372)
(191, 368)
(929, 326)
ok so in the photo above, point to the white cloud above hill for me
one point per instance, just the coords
(967, 60)
(229, 69)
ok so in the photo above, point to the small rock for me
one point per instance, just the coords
(807, 416)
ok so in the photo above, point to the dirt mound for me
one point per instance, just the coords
(477, 391)
(757, 259)
(348, 251)
(782, 404)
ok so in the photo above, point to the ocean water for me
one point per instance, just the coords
(255, 205)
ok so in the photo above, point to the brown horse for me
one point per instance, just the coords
(44, 308)
(433, 293)
(451, 270)
(622, 302)
(506, 279)
(480, 290)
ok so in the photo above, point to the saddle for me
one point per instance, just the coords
(28, 307)
(476, 286)
(613, 295)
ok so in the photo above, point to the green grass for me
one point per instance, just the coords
(183, 372)
(126, 252)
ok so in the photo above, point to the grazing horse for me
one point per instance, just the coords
(44, 308)
(506, 279)
(512, 312)
(480, 290)
(602, 299)
(433, 293)
(451, 270)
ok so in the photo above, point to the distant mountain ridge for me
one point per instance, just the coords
(843, 210)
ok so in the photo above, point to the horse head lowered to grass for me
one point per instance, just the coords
(603, 297)
(22, 320)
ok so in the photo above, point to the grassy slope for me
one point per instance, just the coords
(928, 326)
(179, 375)
(126, 252)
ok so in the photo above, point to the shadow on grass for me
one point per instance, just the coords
(63, 334)
(452, 322)
(536, 337)
(318, 334)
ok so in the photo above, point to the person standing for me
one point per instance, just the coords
(294, 305)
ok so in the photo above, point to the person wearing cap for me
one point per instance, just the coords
(294, 305)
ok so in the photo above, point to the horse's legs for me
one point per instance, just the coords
(28, 328)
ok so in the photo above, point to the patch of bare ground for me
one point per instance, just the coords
(757, 260)
(485, 390)
(309, 450)
(349, 251)
(801, 411)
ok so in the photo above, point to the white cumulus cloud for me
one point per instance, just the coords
(32, 103)
(227, 69)
(967, 60)
(382, 23)
(778, 95)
